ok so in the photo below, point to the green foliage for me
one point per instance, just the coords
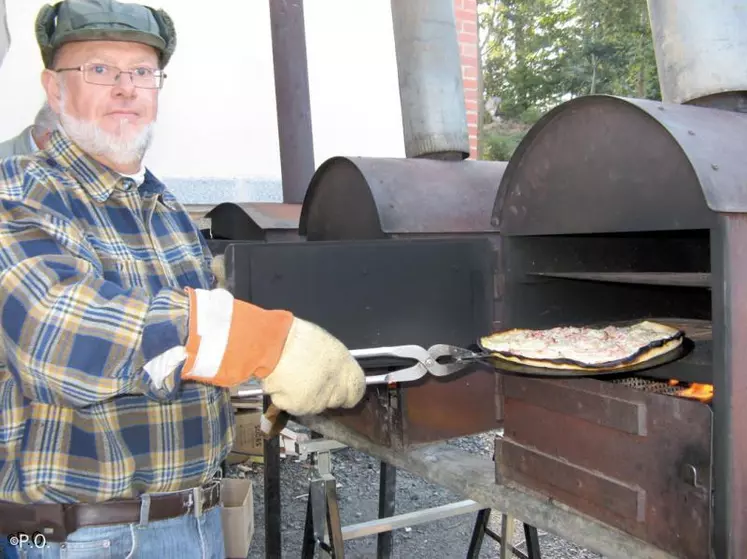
(499, 141)
(538, 53)
(498, 146)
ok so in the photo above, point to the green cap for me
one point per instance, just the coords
(103, 20)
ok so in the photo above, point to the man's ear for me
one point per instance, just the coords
(51, 85)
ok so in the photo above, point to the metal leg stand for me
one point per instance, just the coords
(507, 549)
(533, 544)
(273, 544)
(323, 525)
(387, 494)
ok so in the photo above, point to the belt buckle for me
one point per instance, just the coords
(201, 496)
(213, 491)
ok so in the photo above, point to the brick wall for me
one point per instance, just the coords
(466, 22)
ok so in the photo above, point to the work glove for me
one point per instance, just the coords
(301, 366)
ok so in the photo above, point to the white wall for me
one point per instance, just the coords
(217, 136)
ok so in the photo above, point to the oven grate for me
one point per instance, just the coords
(647, 385)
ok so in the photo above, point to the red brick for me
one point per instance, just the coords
(469, 72)
(468, 26)
(465, 12)
(468, 49)
(463, 15)
(470, 61)
(467, 37)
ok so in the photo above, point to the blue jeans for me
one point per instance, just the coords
(183, 537)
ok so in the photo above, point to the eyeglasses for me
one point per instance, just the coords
(104, 74)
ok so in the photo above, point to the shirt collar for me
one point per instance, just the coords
(152, 186)
(98, 180)
(32, 141)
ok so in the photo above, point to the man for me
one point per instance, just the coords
(34, 137)
(119, 348)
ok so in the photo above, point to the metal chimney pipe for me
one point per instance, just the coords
(701, 51)
(292, 98)
(434, 114)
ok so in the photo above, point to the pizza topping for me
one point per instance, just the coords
(588, 346)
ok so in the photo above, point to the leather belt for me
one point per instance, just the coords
(55, 522)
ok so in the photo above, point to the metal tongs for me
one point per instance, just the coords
(428, 361)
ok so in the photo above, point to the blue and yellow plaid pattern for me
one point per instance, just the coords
(92, 276)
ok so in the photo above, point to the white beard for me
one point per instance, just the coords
(122, 147)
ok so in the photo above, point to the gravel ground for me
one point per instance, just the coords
(357, 476)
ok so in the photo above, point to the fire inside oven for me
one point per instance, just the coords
(695, 390)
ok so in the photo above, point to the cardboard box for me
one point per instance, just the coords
(238, 516)
(248, 438)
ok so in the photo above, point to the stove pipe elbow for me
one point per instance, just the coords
(701, 48)
(434, 115)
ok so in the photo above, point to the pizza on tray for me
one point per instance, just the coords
(584, 348)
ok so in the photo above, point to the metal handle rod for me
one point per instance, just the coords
(258, 392)
(404, 351)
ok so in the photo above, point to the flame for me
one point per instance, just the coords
(696, 391)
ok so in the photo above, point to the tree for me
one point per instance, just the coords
(537, 53)
(524, 48)
(617, 53)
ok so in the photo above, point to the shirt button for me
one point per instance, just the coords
(128, 184)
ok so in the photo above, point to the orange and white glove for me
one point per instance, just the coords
(302, 367)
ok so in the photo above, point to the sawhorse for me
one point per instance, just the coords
(507, 528)
(323, 526)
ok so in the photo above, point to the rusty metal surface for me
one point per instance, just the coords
(254, 221)
(700, 47)
(291, 73)
(431, 410)
(428, 411)
(367, 198)
(473, 477)
(636, 460)
(674, 279)
(530, 300)
(429, 68)
(448, 408)
(731, 101)
(375, 294)
(730, 387)
(608, 164)
(356, 198)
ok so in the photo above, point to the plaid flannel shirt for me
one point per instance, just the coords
(92, 278)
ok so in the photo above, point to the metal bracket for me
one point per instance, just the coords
(323, 525)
